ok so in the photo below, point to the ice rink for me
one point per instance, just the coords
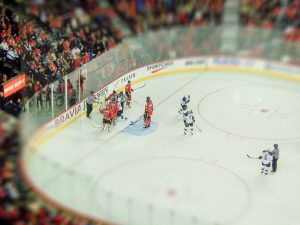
(158, 176)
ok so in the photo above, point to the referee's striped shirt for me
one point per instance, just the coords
(276, 153)
(91, 99)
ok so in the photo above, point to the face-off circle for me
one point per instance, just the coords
(164, 182)
(254, 112)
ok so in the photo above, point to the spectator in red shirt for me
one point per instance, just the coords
(37, 87)
(85, 58)
(66, 46)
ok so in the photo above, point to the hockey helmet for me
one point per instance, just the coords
(148, 99)
(276, 145)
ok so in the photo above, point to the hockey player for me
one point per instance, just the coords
(121, 101)
(112, 96)
(266, 158)
(184, 101)
(128, 91)
(106, 118)
(148, 112)
(114, 108)
(102, 105)
(189, 120)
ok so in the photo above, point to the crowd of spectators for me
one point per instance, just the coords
(284, 15)
(10, 54)
(53, 39)
(85, 22)
(144, 15)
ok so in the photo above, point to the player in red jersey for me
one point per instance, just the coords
(148, 112)
(106, 117)
(112, 116)
(114, 108)
(128, 91)
(112, 96)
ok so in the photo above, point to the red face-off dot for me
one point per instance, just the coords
(264, 110)
(171, 192)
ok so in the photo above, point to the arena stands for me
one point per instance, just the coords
(284, 15)
(46, 44)
(143, 15)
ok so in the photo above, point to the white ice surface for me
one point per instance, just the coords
(166, 178)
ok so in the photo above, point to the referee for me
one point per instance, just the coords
(275, 153)
(89, 104)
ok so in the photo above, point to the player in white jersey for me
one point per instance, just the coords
(188, 119)
(121, 98)
(184, 103)
(266, 158)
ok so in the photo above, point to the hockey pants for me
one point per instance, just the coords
(147, 121)
(265, 168)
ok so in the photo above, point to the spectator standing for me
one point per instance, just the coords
(39, 99)
(75, 52)
(3, 79)
(29, 90)
(11, 54)
(4, 46)
(72, 96)
(85, 58)
(81, 81)
(69, 85)
(27, 47)
(48, 97)
(39, 96)
(63, 64)
(2, 101)
(275, 153)
(37, 86)
(18, 107)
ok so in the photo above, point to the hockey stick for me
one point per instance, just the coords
(139, 87)
(134, 122)
(198, 128)
(252, 157)
(122, 117)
